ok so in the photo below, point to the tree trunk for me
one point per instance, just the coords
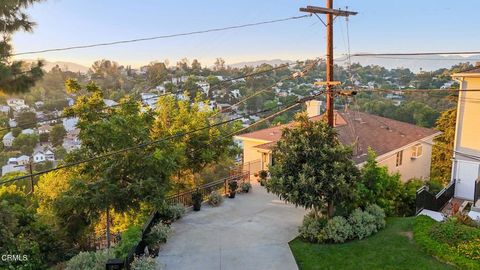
(108, 228)
(330, 209)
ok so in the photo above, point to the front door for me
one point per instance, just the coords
(467, 174)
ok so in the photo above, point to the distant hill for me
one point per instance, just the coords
(259, 62)
(415, 63)
(63, 65)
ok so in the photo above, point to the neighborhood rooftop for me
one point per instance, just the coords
(360, 129)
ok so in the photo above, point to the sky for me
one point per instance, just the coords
(380, 26)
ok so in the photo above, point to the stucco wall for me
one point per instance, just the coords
(468, 119)
(249, 152)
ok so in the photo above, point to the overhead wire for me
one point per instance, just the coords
(161, 36)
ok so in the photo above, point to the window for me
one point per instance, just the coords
(417, 151)
(399, 158)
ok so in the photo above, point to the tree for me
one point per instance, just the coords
(107, 74)
(196, 67)
(57, 134)
(157, 73)
(120, 182)
(25, 143)
(16, 76)
(442, 151)
(26, 119)
(312, 169)
(197, 150)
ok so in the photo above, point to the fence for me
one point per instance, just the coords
(252, 167)
(426, 200)
(184, 198)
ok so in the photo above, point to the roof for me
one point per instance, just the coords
(363, 130)
(475, 72)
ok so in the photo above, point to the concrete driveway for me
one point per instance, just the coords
(251, 231)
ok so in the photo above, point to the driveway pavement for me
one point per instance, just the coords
(251, 231)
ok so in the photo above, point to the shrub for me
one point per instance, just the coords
(363, 224)
(452, 233)
(470, 249)
(245, 186)
(338, 230)
(232, 186)
(263, 174)
(215, 198)
(90, 260)
(312, 228)
(158, 234)
(379, 215)
(143, 263)
(434, 186)
(456, 255)
(171, 213)
(130, 238)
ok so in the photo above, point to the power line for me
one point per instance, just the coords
(420, 59)
(417, 53)
(162, 36)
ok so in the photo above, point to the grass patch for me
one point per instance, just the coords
(391, 248)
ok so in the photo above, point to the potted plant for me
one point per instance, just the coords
(263, 177)
(197, 199)
(232, 189)
(245, 186)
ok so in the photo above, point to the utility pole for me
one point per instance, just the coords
(329, 83)
(30, 165)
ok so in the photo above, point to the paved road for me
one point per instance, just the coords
(251, 231)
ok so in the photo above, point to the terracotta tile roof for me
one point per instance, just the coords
(475, 70)
(363, 130)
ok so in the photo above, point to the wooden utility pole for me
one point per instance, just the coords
(329, 83)
(32, 184)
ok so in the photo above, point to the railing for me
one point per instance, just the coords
(426, 200)
(184, 198)
(476, 195)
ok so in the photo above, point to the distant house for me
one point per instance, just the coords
(205, 86)
(44, 129)
(70, 123)
(70, 102)
(12, 123)
(21, 160)
(149, 99)
(10, 168)
(39, 104)
(38, 157)
(15, 102)
(71, 141)
(110, 103)
(28, 131)
(8, 139)
(4, 109)
(402, 147)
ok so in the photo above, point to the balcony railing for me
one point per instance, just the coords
(429, 201)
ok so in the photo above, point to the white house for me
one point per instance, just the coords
(28, 131)
(8, 139)
(21, 160)
(49, 155)
(15, 102)
(38, 157)
(149, 99)
(205, 87)
(12, 123)
(44, 129)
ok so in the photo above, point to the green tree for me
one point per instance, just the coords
(16, 76)
(442, 151)
(57, 134)
(26, 119)
(16, 131)
(312, 169)
(120, 182)
(25, 143)
(157, 73)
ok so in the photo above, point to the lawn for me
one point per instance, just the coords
(391, 248)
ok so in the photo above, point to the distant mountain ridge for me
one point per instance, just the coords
(70, 66)
(272, 62)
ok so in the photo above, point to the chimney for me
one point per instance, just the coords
(313, 107)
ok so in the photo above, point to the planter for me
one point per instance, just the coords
(197, 206)
(231, 195)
